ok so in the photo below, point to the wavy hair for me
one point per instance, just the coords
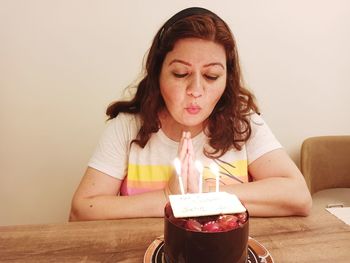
(228, 125)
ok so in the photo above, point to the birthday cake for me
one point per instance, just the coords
(220, 235)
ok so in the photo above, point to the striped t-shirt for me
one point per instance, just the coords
(149, 168)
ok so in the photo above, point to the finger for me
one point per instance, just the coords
(190, 149)
(193, 176)
(180, 144)
(183, 150)
(184, 170)
(184, 167)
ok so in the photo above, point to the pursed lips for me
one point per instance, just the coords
(193, 109)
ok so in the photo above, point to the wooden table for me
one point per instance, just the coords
(321, 237)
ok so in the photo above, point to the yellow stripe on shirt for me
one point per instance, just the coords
(149, 173)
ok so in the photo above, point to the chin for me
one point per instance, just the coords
(192, 125)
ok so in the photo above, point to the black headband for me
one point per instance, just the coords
(185, 13)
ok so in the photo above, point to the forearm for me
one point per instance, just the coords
(100, 207)
(276, 196)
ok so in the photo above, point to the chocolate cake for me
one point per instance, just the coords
(206, 239)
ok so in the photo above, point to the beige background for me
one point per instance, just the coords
(62, 62)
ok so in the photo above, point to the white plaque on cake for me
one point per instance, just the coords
(205, 204)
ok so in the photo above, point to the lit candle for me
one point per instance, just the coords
(214, 168)
(199, 168)
(177, 165)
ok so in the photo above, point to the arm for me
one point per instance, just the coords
(278, 187)
(97, 198)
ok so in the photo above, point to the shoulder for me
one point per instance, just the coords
(262, 140)
(126, 118)
(126, 121)
(256, 120)
(258, 125)
(123, 127)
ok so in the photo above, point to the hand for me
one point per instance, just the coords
(188, 173)
(173, 186)
(192, 172)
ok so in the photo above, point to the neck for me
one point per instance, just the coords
(173, 130)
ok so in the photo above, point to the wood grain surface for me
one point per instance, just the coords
(320, 237)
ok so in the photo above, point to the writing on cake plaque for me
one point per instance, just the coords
(205, 204)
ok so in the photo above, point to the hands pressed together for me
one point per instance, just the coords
(189, 173)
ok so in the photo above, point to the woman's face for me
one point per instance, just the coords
(192, 80)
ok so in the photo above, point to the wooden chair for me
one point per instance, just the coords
(325, 164)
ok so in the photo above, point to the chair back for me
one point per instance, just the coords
(325, 162)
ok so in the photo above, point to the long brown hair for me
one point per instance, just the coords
(228, 125)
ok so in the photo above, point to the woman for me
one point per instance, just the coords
(190, 105)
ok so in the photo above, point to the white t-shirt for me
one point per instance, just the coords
(149, 168)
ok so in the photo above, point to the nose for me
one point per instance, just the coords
(195, 87)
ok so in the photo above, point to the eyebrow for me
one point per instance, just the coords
(214, 64)
(189, 64)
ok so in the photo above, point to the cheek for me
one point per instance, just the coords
(170, 96)
(167, 97)
(215, 94)
(171, 92)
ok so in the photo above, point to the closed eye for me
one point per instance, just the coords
(211, 77)
(177, 75)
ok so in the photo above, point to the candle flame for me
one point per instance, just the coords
(198, 166)
(214, 168)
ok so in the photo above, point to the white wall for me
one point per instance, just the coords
(62, 62)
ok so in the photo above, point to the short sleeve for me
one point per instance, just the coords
(111, 153)
(262, 139)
